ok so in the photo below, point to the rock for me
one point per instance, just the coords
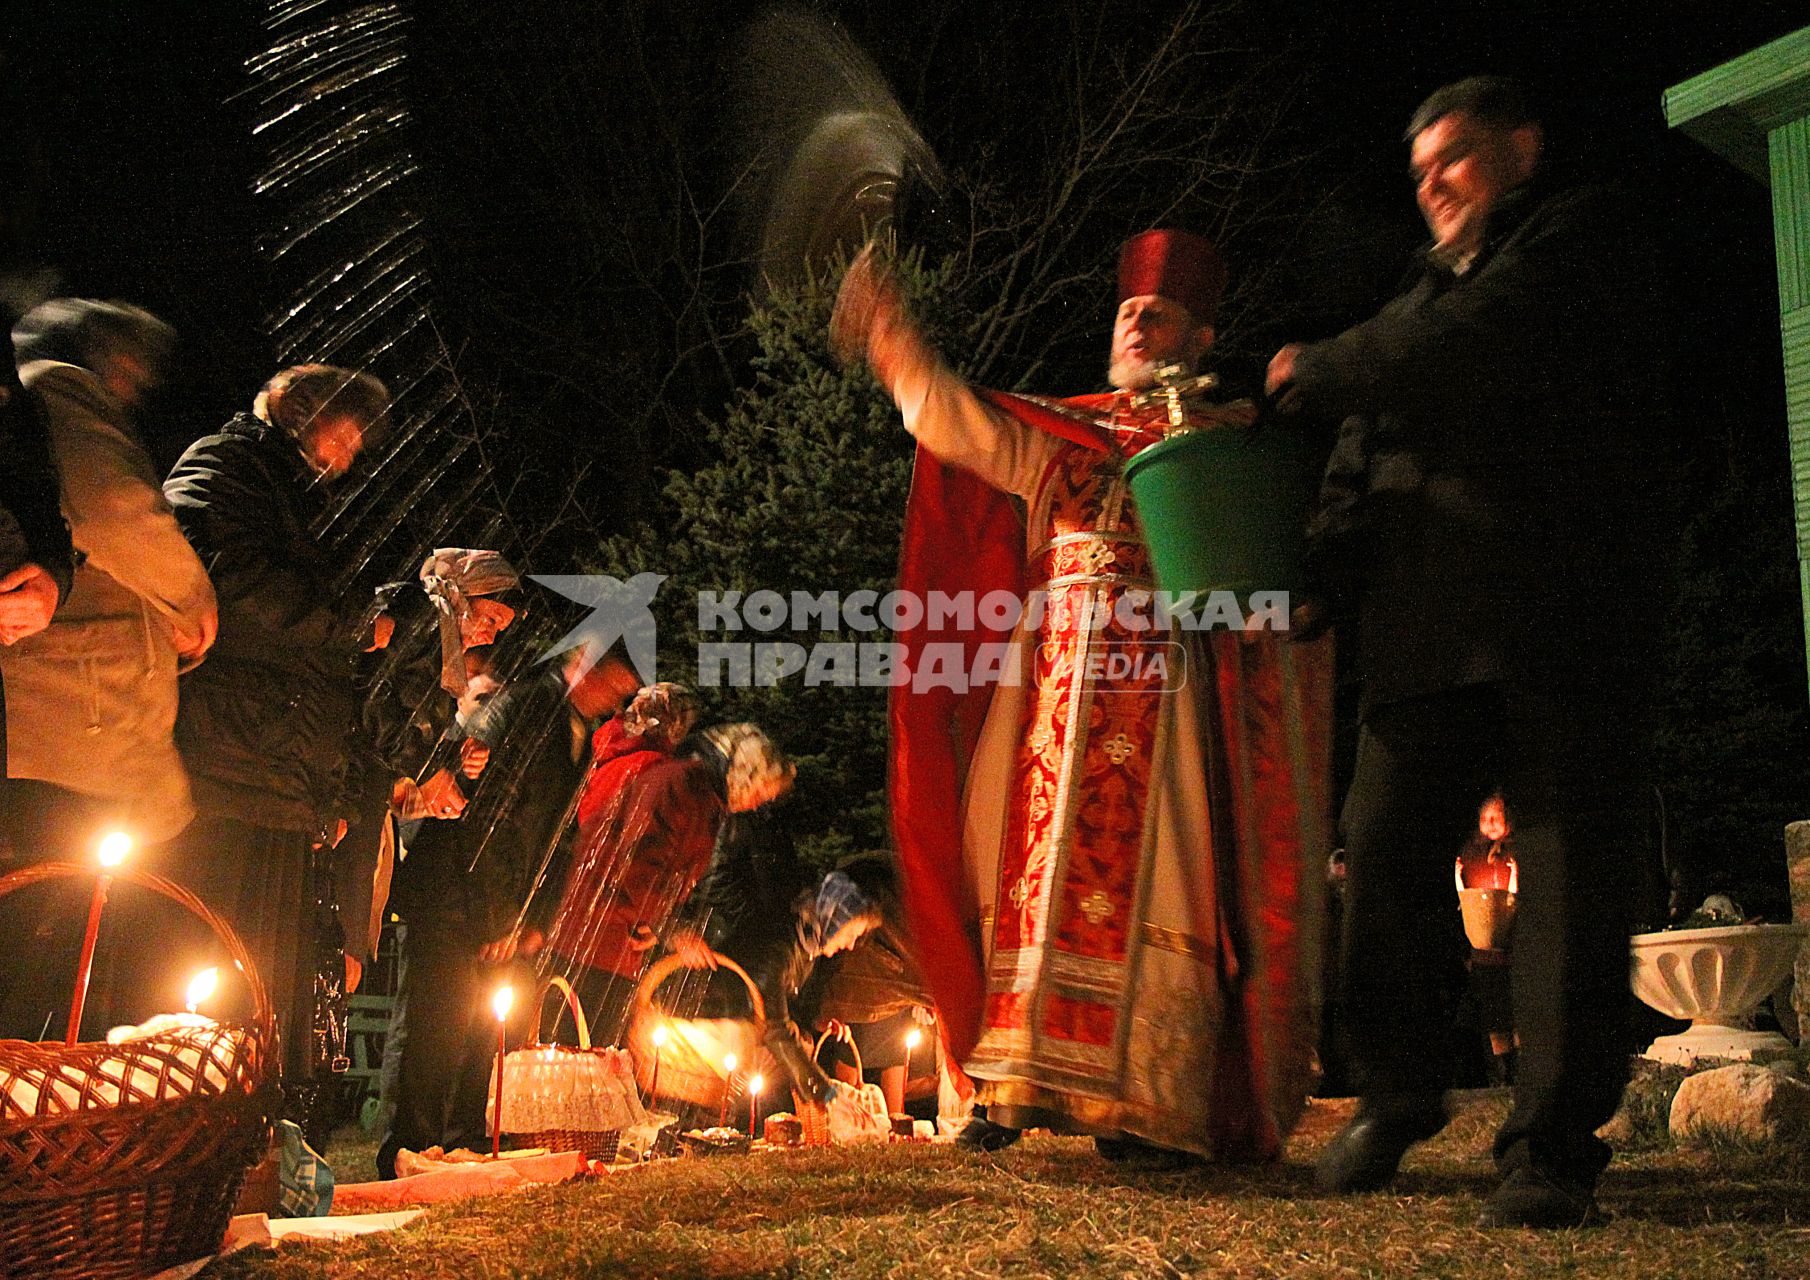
(1743, 1100)
(1797, 871)
(1646, 1106)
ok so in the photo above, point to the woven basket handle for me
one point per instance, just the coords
(853, 1048)
(235, 947)
(555, 982)
(663, 968)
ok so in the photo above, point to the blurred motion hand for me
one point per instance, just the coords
(28, 597)
(474, 754)
(692, 950)
(442, 797)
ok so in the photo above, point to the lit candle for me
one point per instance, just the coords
(660, 1036)
(113, 850)
(722, 1120)
(755, 1085)
(201, 986)
(499, 1004)
(913, 1038)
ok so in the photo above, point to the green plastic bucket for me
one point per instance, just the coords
(1225, 509)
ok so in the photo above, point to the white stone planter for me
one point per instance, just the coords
(1716, 978)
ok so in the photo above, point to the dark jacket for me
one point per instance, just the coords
(781, 963)
(263, 724)
(1487, 512)
(754, 878)
(471, 876)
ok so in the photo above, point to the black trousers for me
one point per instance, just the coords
(446, 1046)
(260, 880)
(1569, 767)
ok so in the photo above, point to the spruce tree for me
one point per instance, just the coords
(806, 494)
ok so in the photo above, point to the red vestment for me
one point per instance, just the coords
(1114, 869)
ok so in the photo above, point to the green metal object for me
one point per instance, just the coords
(1224, 509)
(1755, 112)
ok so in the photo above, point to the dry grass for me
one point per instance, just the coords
(1050, 1208)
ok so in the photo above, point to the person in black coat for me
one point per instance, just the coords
(263, 724)
(464, 893)
(1487, 521)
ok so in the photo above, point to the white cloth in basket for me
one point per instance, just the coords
(858, 1114)
(178, 1056)
(557, 1087)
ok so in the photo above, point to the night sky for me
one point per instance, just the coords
(129, 152)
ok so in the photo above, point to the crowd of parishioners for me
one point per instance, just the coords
(188, 663)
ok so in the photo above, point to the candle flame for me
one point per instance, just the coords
(913, 1038)
(729, 1061)
(661, 1036)
(758, 1083)
(114, 847)
(201, 986)
(501, 1002)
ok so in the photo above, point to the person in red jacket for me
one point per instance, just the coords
(647, 825)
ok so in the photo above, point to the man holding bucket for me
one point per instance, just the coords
(1484, 514)
(1111, 852)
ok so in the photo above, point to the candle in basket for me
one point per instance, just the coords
(722, 1119)
(201, 986)
(499, 1004)
(113, 850)
(660, 1036)
(756, 1083)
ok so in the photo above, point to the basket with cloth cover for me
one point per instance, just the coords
(690, 1064)
(564, 1098)
(859, 1116)
(123, 1159)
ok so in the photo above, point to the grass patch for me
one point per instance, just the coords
(1050, 1207)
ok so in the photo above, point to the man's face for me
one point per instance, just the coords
(331, 444)
(1150, 332)
(486, 620)
(602, 689)
(1492, 820)
(852, 931)
(764, 788)
(128, 376)
(1462, 168)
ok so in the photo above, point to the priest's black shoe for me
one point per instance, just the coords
(981, 1134)
(1367, 1152)
(1530, 1197)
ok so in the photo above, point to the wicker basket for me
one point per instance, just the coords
(814, 1116)
(690, 1063)
(597, 1144)
(131, 1155)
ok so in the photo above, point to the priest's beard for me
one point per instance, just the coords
(1138, 375)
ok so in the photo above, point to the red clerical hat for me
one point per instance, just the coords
(1179, 265)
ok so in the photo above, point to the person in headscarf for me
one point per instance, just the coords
(648, 823)
(411, 696)
(826, 919)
